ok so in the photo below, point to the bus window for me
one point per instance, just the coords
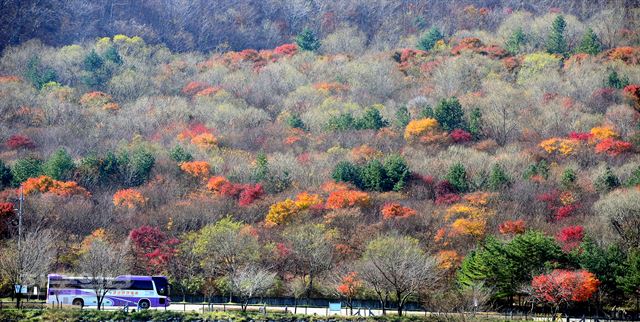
(162, 286)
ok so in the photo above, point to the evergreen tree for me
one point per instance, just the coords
(374, 176)
(342, 122)
(450, 115)
(568, 178)
(516, 41)
(59, 166)
(475, 123)
(307, 40)
(629, 280)
(590, 43)
(39, 75)
(26, 168)
(294, 121)
(112, 55)
(457, 177)
(427, 112)
(429, 39)
(179, 154)
(556, 44)
(498, 179)
(262, 167)
(605, 262)
(92, 62)
(615, 81)
(634, 179)
(397, 171)
(505, 266)
(5, 175)
(346, 171)
(607, 181)
(372, 120)
(402, 117)
(135, 167)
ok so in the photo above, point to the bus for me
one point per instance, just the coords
(136, 291)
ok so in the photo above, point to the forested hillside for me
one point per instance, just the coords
(488, 157)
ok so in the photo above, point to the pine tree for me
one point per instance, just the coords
(26, 168)
(590, 43)
(262, 167)
(402, 117)
(112, 55)
(294, 121)
(475, 123)
(615, 81)
(457, 177)
(179, 154)
(450, 115)
(59, 166)
(429, 39)
(307, 40)
(372, 120)
(427, 112)
(556, 44)
(516, 41)
(607, 181)
(498, 179)
(5, 175)
(39, 75)
(568, 178)
(92, 62)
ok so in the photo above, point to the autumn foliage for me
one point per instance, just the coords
(198, 169)
(153, 247)
(129, 198)
(563, 286)
(395, 210)
(46, 184)
(512, 227)
(347, 198)
(17, 141)
(570, 237)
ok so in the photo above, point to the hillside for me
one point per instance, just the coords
(491, 162)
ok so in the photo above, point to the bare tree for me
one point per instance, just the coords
(311, 252)
(28, 262)
(396, 266)
(100, 263)
(251, 281)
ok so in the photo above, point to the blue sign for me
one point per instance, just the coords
(21, 289)
(335, 307)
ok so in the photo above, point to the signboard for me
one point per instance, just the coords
(21, 289)
(335, 307)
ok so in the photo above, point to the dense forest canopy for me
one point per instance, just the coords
(450, 153)
(186, 25)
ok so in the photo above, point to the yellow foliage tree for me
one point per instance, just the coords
(281, 212)
(418, 128)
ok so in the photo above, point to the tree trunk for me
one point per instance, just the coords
(18, 298)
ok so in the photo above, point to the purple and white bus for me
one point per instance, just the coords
(136, 291)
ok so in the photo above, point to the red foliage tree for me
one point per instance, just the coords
(460, 136)
(613, 147)
(17, 141)
(563, 287)
(153, 247)
(249, 194)
(570, 237)
(286, 50)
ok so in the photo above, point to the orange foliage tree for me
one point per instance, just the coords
(198, 169)
(512, 227)
(347, 198)
(395, 210)
(416, 129)
(46, 184)
(350, 286)
(130, 198)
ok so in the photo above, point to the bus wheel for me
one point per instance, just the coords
(144, 304)
(78, 302)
